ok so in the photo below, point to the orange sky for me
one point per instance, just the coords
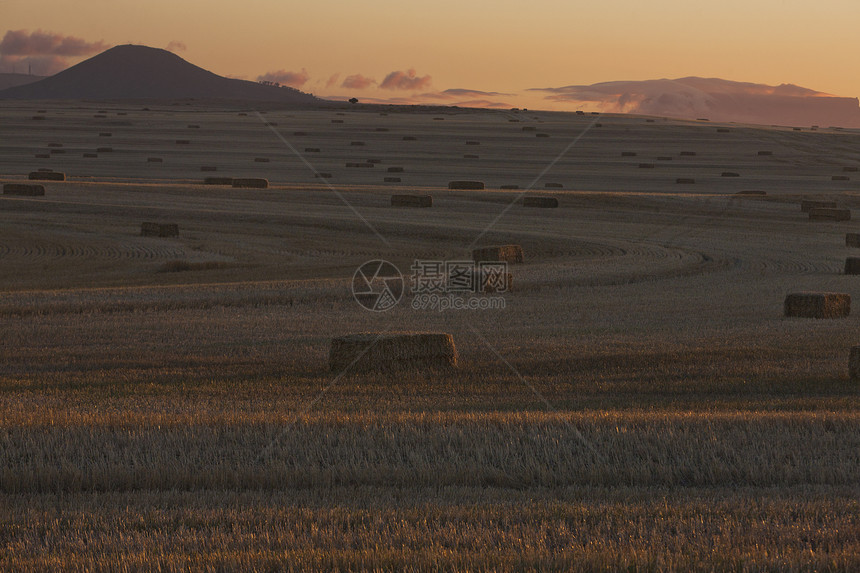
(498, 46)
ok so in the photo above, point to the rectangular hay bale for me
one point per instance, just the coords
(854, 364)
(465, 185)
(807, 205)
(411, 200)
(830, 215)
(46, 176)
(852, 239)
(541, 202)
(23, 189)
(149, 229)
(251, 182)
(502, 253)
(817, 305)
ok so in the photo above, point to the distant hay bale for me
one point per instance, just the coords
(541, 202)
(379, 353)
(598, 125)
(513, 121)
(723, 130)
(104, 150)
(529, 128)
(374, 161)
(391, 180)
(55, 145)
(106, 134)
(91, 155)
(121, 113)
(99, 116)
(580, 112)
(688, 154)
(45, 169)
(38, 118)
(409, 138)
(817, 305)
(854, 364)
(183, 142)
(664, 158)
(470, 156)
(357, 143)
(628, 154)
(503, 253)
(509, 186)
(337, 121)
(23, 189)
(849, 169)
(473, 143)
(312, 149)
(541, 135)
(218, 181)
(193, 126)
(251, 183)
(353, 165)
(46, 176)
(852, 239)
(685, 180)
(381, 129)
(830, 215)
(261, 160)
(649, 121)
(796, 129)
(159, 230)
(703, 119)
(300, 133)
(439, 119)
(411, 201)
(752, 193)
(322, 175)
(208, 168)
(395, 170)
(765, 153)
(552, 185)
(852, 266)
(840, 178)
(43, 155)
(730, 174)
(808, 205)
(41, 111)
(154, 160)
(57, 151)
(242, 114)
(646, 166)
(465, 185)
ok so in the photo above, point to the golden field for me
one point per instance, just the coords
(639, 403)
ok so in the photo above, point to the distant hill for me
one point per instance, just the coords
(715, 99)
(140, 72)
(12, 80)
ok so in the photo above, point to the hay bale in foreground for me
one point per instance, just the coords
(730, 174)
(370, 352)
(765, 153)
(391, 179)
(852, 239)
(159, 230)
(251, 182)
(541, 202)
(23, 189)
(553, 185)
(106, 134)
(830, 215)
(849, 169)
(817, 305)
(685, 180)
(411, 200)
(854, 364)
(509, 186)
(183, 142)
(465, 185)
(470, 156)
(840, 178)
(808, 205)
(502, 253)
(218, 181)
(852, 266)
(261, 159)
(46, 176)
(751, 193)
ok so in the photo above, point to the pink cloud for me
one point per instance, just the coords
(407, 80)
(357, 82)
(332, 80)
(39, 43)
(176, 46)
(282, 77)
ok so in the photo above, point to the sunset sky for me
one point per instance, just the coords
(500, 46)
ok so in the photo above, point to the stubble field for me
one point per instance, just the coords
(640, 402)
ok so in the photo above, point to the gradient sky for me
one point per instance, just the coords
(490, 45)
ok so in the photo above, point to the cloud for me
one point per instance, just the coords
(407, 80)
(332, 80)
(285, 78)
(45, 53)
(176, 46)
(357, 82)
(713, 98)
(39, 43)
(457, 93)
